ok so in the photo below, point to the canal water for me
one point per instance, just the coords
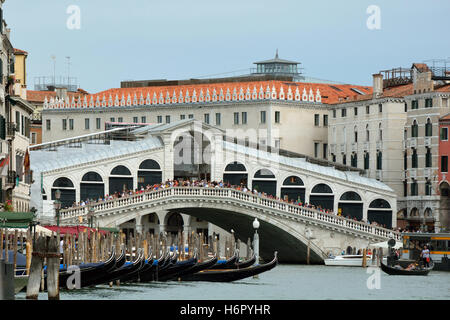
(285, 282)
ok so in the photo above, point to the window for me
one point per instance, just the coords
(325, 150)
(33, 137)
(277, 116)
(355, 134)
(112, 119)
(380, 108)
(236, 118)
(143, 119)
(380, 132)
(17, 120)
(428, 128)
(159, 119)
(217, 119)
(244, 117)
(414, 129)
(182, 116)
(325, 120)
(334, 113)
(206, 117)
(22, 123)
(316, 149)
(414, 161)
(414, 188)
(428, 188)
(405, 160)
(64, 124)
(343, 113)
(405, 188)
(355, 111)
(71, 124)
(135, 119)
(333, 156)
(444, 134)
(367, 133)
(344, 159)
(367, 109)
(98, 123)
(406, 107)
(414, 104)
(379, 161)
(354, 160)
(263, 117)
(316, 120)
(191, 116)
(444, 163)
(86, 124)
(428, 103)
(48, 124)
(119, 119)
(428, 158)
(366, 161)
(167, 119)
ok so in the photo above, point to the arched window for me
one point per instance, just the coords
(428, 158)
(351, 196)
(149, 164)
(354, 160)
(428, 128)
(380, 203)
(67, 189)
(367, 133)
(121, 171)
(293, 181)
(380, 132)
(264, 174)
(149, 173)
(235, 166)
(63, 183)
(414, 129)
(414, 161)
(379, 160)
(92, 176)
(321, 188)
(91, 186)
(355, 133)
(366, 161)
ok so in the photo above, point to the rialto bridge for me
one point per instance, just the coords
(97, 165)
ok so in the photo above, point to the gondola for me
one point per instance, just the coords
(89, 273)
(173, 270)
(229, 275)
(226, 264)
(135, 275)
(402, 272)
(246, 263)
(149, 273)
(199, 266)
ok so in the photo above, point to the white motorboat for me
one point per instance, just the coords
(350, 260)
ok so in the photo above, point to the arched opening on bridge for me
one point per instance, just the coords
(401, 219)
(65, 185)
(174, 223)
(380, 212)
(322, 196)
(351, 205)
(293, 189)
(149, 173)
(235, 174)
(264, 181)
(192, 156)
(120, 180)
(91, 186)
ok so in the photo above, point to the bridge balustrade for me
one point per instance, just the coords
(254, 199)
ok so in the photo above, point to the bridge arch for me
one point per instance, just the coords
(174, 222)
(293, 188)
(322, 195)
(380, 211)
(67, 189)
(149, 173)
(235, 173)
(351, 204)
(91, 186)
(264, 180)
(120, 179)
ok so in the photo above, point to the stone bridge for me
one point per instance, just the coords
(284, 227)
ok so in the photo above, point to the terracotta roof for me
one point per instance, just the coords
(329, 93)
(39, 96)
(445, 88)
(18, 51)
(421, 67)
(392, 92)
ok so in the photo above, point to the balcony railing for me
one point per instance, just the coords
(343, 148)
(413, 143)
(427, 141)
(354, 147)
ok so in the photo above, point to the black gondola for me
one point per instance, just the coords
(228, 264)
(175, 269)
(402, 272)
(89, 273)
(246, 263)
(149, 273)
(229, 275)
(199, 266)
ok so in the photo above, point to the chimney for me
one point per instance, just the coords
(377, 85)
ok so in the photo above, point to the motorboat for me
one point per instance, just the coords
(350, 260)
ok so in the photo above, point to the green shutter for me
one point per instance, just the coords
(2, 128)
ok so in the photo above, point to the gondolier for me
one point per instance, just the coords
(425, 255)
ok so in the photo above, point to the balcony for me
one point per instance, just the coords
(343, 148)
(379, 145)
(413, 173)
(427, 172)
(333, 148)
(366, 146)
(10, 130)
(354, 147)
(413, 143)
(427, 141)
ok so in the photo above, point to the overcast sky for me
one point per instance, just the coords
(180, 39)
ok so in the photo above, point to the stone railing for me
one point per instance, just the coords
(189, 193)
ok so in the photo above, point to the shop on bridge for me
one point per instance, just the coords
(120, 179)
(265, 181)
(351, 205)
(235, 174)
(322, 196)
(293, 189)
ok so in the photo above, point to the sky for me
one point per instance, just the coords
(112, 41)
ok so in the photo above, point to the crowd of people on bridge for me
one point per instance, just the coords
(213, 184)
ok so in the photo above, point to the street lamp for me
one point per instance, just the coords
(256, 240)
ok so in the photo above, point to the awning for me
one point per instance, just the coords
(75, 230)
(9, 219)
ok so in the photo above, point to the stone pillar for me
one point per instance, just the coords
(167, 173)
(217, 157)
(138, 225)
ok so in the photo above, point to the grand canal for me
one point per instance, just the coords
(285, 282)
